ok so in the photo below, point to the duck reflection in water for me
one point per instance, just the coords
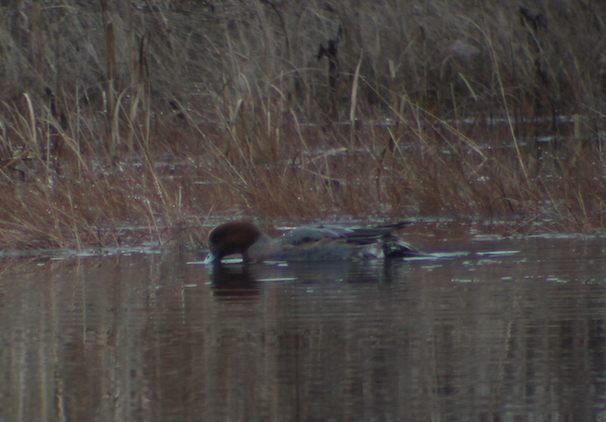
(234, 283)
(245, 280)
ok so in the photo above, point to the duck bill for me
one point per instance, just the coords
(210, 259)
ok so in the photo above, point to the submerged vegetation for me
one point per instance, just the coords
(129, 120)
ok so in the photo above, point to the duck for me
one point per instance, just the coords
(317, 242)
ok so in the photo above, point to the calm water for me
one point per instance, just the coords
(511, 331)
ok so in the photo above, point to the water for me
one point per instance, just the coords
(494, 330)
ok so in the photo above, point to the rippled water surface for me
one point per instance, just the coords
(492, 330)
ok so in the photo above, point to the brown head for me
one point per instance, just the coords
(231, 238)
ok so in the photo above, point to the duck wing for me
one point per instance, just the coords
(369, 235)
(359, 235)
(314, 233)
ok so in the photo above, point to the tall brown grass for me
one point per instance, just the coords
(135, 122)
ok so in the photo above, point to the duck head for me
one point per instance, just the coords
(231, 238)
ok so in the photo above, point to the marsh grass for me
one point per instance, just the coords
(130, 123)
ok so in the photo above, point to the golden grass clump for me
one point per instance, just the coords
(126, 123)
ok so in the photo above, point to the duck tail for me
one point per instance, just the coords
(394, 247)
(396, 226)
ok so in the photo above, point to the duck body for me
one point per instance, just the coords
(318, 242)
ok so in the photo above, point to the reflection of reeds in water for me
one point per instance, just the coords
(164, 115)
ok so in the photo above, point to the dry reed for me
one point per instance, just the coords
(126, 123)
